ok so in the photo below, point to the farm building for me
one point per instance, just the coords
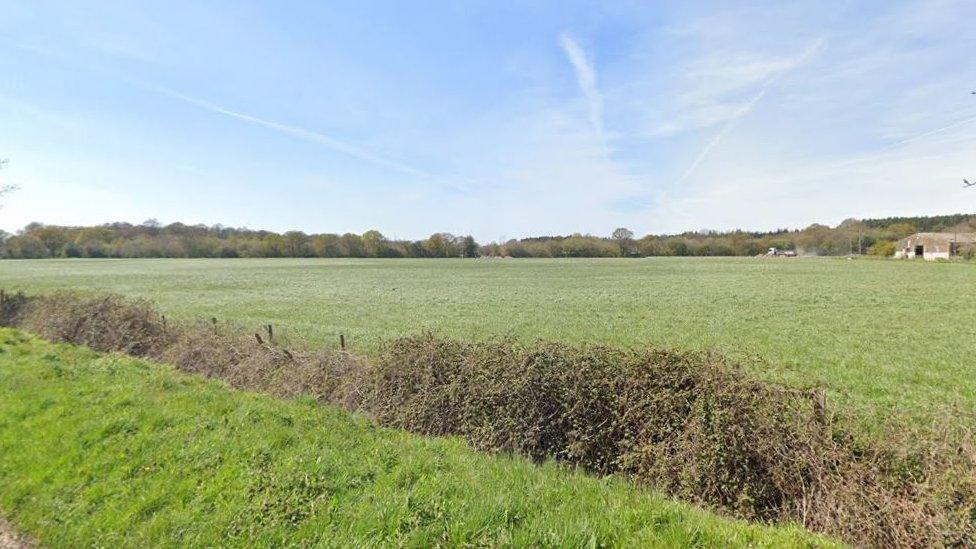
(934, 245)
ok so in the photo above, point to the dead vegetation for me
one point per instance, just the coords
(690, 424)
(107, 322)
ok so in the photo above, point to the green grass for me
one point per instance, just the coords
(105, 450)
(887, 338)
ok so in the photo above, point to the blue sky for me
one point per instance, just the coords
(489, 118)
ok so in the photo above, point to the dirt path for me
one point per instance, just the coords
(9, 539)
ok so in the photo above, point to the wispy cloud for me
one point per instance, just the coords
(715, 85)
(586, 78)
(936, 131)
(777, 71)
(301, 133)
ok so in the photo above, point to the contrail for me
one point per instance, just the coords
(585, 78)
(299, 132)
(884, 150)
(724, 131)
(962, 122)
(453, 181)
(810, 52)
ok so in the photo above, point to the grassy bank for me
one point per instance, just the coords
(109, 450)
(886, 338)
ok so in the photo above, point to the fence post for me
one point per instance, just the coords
(342, 342)
(820, 405)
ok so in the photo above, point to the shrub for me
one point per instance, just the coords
(107, 323)
(967, 251)
(688, 423)
(12, 306)
(883, 249)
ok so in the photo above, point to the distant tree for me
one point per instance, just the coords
(415, 249)
(651, 245)
(94, 249)
(272, 245)
(436, 245)
(469, 248)
(74, 250)
(392, 249)
(295, 244)
(151, 226)
(54, 238)
(514, 248)
(351, 245)
(492, 249)
(897, 231)
(623, 233)
(27, 246)
(822, 240)
(580, 245)
(373, 242)
(625, 239)
(678, 246)
(326, 245)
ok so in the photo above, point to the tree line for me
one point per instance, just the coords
(177, 240)
(151, 239)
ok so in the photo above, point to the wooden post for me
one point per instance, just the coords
(342, 342)
(820, 405)
(270, 332)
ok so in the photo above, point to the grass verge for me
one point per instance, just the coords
(106, 450)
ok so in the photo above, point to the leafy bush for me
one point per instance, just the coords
(883, 249)
(967, 251)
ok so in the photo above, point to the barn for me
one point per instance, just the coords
(934, 245)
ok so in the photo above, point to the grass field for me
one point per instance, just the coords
(886, 338)
(112, 451)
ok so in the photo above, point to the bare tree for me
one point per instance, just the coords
(625, 239)
(622, 233)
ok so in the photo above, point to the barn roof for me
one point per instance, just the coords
(944, 237)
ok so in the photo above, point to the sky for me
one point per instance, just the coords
(496, 119)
